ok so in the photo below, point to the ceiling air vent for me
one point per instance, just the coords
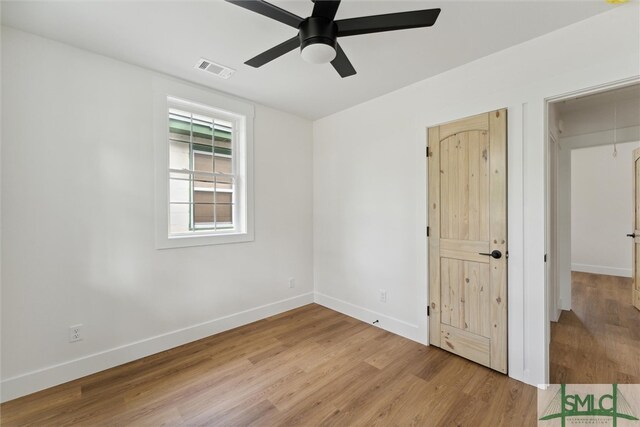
(215, 69)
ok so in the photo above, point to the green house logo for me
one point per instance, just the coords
(586, 406)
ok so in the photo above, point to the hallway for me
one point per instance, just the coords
(599, 340)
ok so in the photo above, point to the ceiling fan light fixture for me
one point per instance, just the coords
(318, 34)
(318, 53)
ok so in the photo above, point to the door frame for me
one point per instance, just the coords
(548, 216)
(635, 301)
(551, 212)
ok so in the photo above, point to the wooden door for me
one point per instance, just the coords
(468, 222)
(635, 297)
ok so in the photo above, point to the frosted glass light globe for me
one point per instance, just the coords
(318, 53)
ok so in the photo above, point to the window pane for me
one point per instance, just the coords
(179, 217)
(203, 162)
(223, 164)
(176, 111)
(203, 209)
(202, 133)
(202, 143)
(179, 189)
(223, 137)
(224, 183)
(203, 182)
(178, 155)
(224, 208)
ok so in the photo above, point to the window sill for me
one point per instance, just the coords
(202, 240)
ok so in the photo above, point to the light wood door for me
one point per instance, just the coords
(468, 222)
(635, 297)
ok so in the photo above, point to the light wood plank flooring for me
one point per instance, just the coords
(599, 340)
(310, 366)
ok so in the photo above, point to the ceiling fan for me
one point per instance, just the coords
(318, 33)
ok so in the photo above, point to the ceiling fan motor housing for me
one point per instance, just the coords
(318, 30)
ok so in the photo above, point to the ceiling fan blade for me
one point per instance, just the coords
(325, 8)
(342, 64)
(387, 22)
(274, 52)
(270, 11)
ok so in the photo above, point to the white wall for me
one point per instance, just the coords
(602, 209)
(370, 178)
(78, 237)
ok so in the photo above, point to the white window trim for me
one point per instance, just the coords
(243, 114)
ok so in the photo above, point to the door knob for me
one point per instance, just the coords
(632, 235)
(494, 254)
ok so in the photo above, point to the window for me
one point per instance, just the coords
(202, 179)
(205, 173)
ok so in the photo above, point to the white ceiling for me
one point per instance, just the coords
(620, 96)
(612, 109)
(170, 36)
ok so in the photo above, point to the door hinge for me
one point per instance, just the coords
(545, 257)
(427, 151)
(428, 311)
(427, 231)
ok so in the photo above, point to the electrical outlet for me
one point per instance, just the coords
(292, 282)
(383, 295)
(75, 333)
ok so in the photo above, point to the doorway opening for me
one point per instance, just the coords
(591, 179)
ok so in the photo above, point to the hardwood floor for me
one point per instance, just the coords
(310, 366)
(599, 340)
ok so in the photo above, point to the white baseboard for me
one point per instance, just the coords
(41, 379)
(601, 269)
(391, 324)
